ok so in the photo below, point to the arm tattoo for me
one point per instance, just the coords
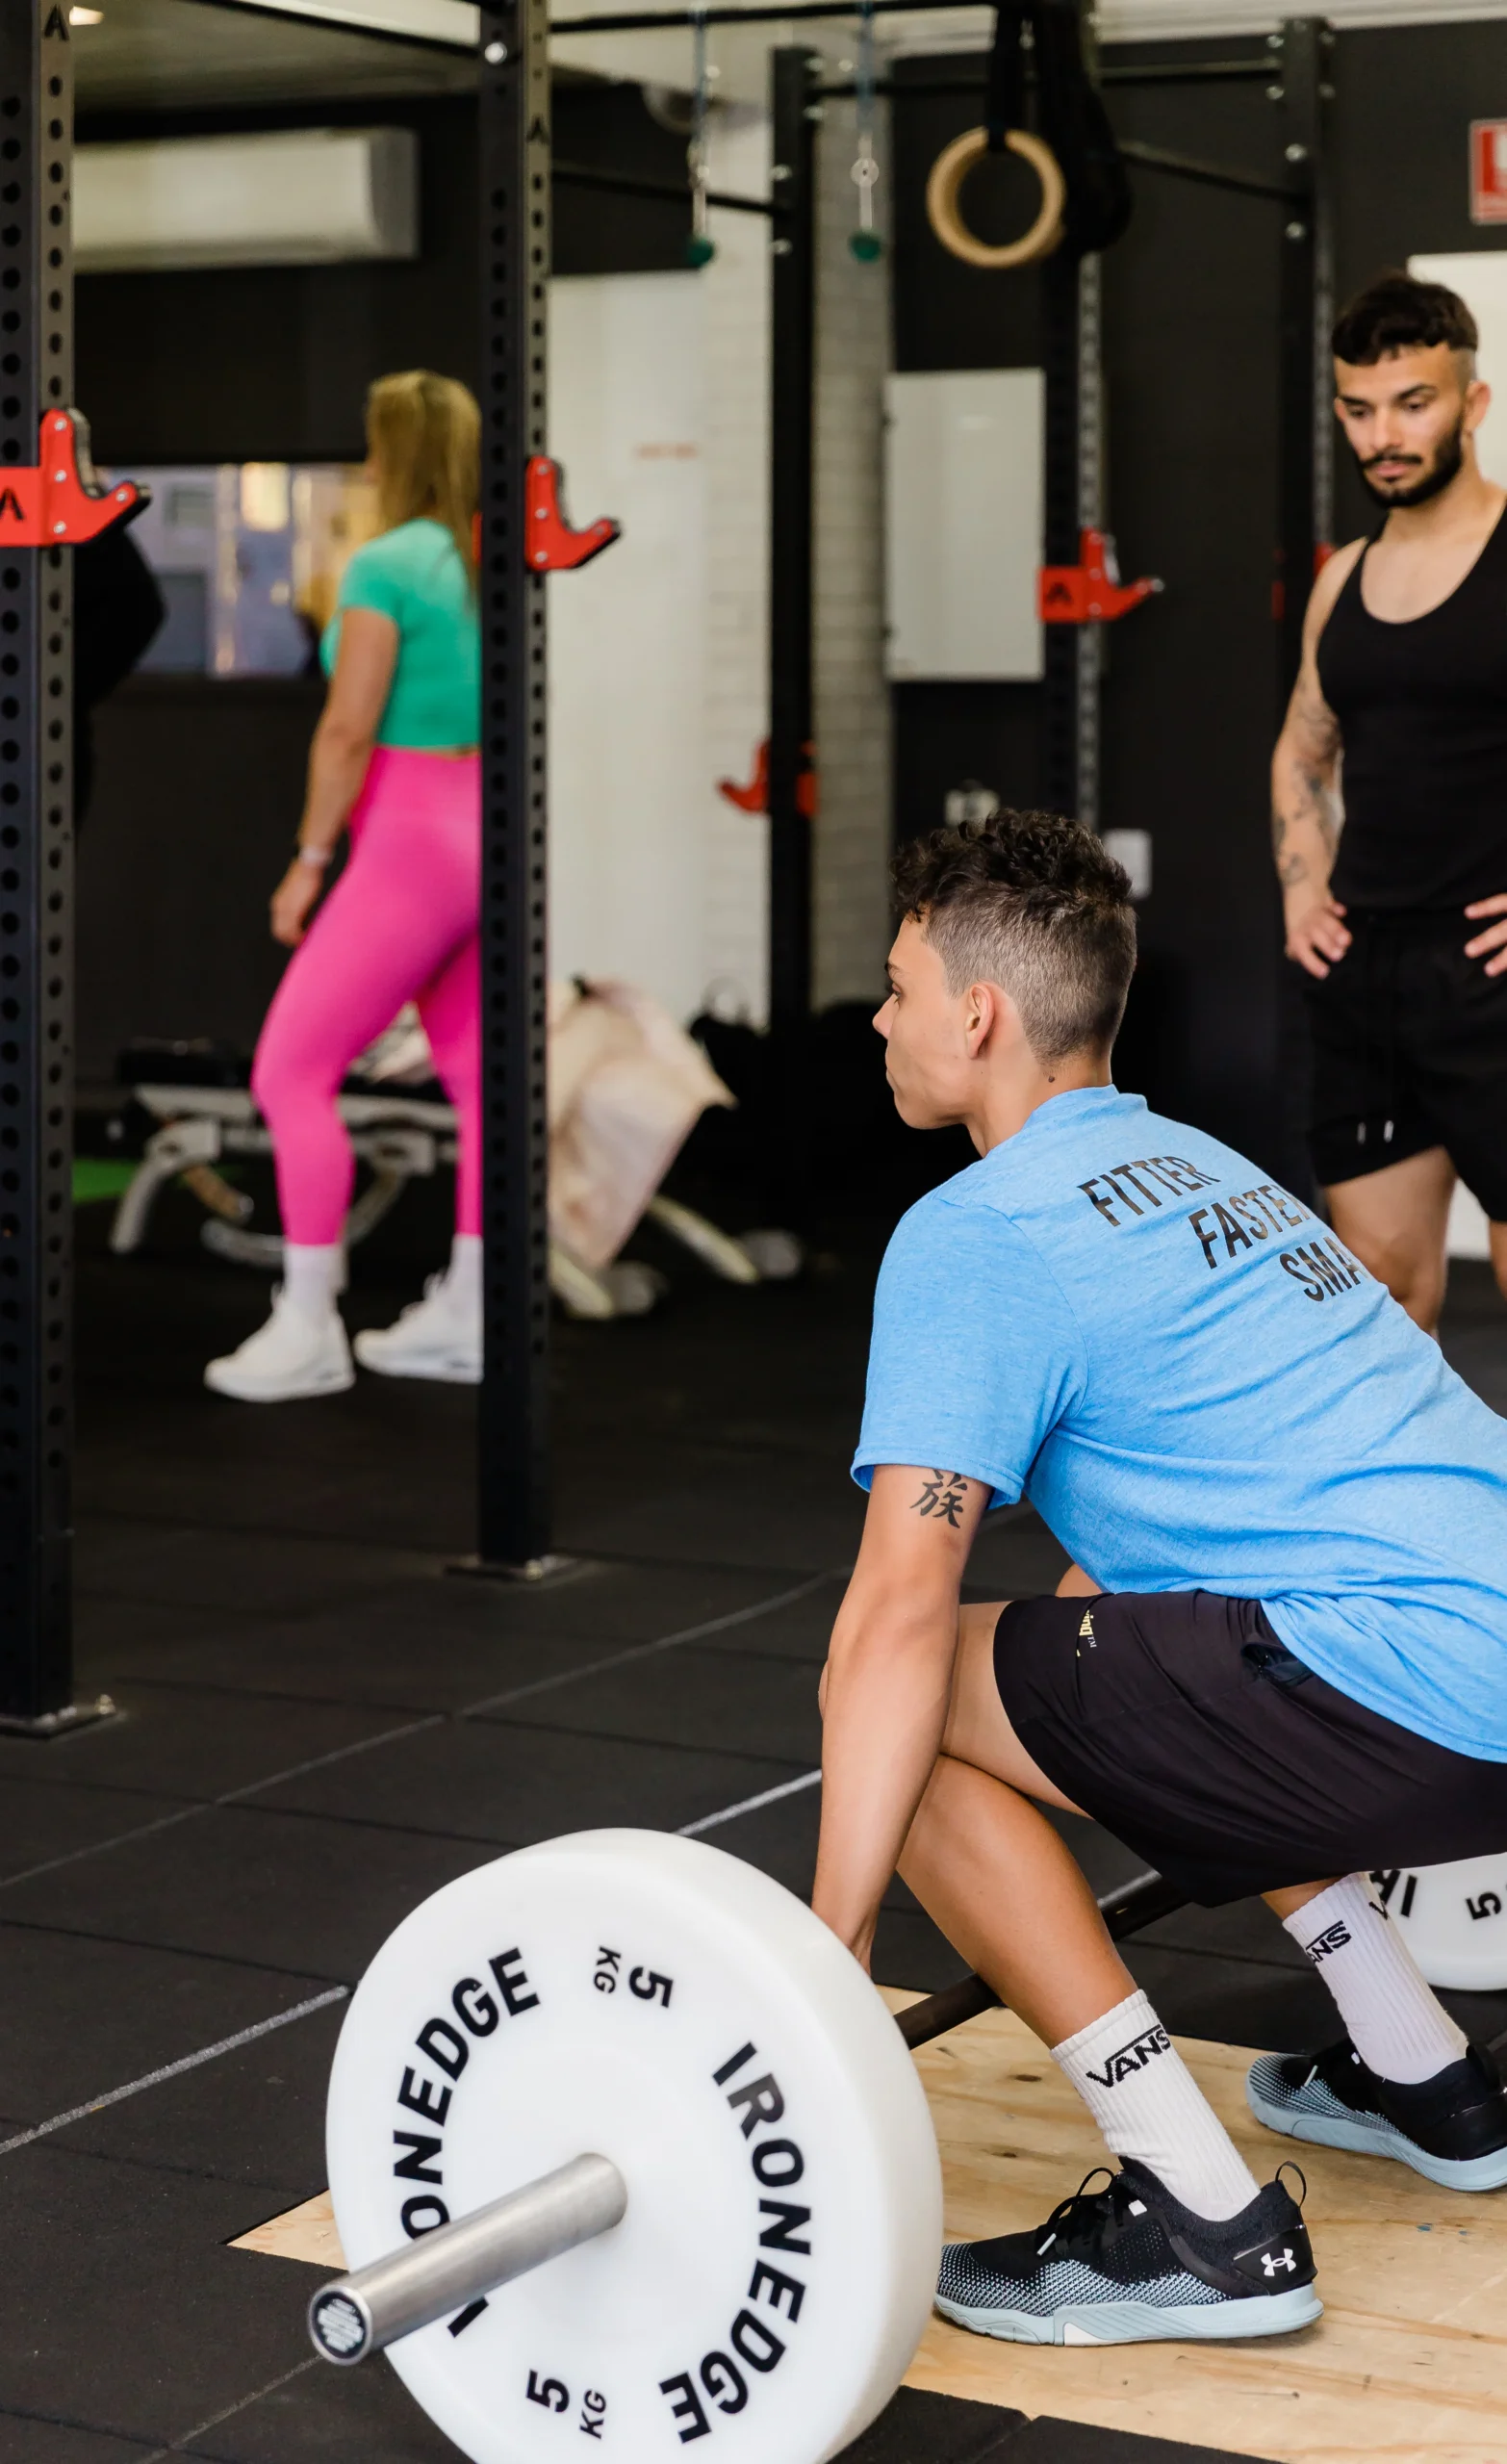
(1317, 805)
(945, 1494)
(1304, 801)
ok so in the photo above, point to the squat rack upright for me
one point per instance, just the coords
(514, 1510)
(36, 892)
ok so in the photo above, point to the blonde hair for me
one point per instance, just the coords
(424, 434)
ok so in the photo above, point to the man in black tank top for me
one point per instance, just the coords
(1395, 897)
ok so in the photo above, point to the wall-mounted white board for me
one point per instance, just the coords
(962, 489)
(1480, 277)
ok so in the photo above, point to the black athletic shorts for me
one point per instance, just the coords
(1181, 1722)
(1410, 1051)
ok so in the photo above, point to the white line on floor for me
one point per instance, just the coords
(412, 1727)
(180, 2445)
(730, 1813)
(173, 2069)
(661, 1643)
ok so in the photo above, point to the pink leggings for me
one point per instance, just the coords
(400, 925)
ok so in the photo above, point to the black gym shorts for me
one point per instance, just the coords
(1410, 1051)
(1181, 1722)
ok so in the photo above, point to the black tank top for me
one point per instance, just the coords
(1422, 707)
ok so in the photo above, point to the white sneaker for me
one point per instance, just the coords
(432, 1339)
(293, 1355)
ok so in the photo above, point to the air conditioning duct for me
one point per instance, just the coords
(306, 197)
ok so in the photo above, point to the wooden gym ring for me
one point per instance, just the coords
(950, 170)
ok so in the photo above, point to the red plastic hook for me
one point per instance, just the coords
(550, 545)
(58, 503)
(1091, 591)
(754, 797)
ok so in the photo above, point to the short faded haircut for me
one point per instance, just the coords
(1032, 903)
(1397, 313)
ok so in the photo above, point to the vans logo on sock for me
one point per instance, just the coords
(1133, 2057)
(1270, 2264)
(1324, 1946)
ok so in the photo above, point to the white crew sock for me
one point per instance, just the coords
(463, 1275)
(1148, 2105)
(1395, 2023)
(314, 1276)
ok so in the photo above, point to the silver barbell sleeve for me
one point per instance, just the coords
(459, 2262)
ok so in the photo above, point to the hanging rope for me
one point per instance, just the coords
(865, 243)
(699, 247)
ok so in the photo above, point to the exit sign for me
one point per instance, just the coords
(1489, 170)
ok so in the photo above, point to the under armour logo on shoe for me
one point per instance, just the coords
(1270, 2266)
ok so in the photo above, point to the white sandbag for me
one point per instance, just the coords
(626, 1086)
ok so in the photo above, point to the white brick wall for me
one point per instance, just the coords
(627, 769)
(660, 655)
(736, 661)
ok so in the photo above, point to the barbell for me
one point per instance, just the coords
(732, 2210)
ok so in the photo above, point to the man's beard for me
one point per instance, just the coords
(1432, 484)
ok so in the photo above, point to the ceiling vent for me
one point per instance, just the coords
(307, 196)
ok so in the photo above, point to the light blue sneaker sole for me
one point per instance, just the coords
(1361, 2137)
(1140, 2322)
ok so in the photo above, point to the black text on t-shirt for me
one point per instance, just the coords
(1224, 1228)
(1123, 1186)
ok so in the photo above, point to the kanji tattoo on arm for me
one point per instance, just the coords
(944, 1494)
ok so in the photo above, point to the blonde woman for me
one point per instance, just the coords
(394, 767)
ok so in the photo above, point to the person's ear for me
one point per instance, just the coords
(980, 1015)
(1477, 402)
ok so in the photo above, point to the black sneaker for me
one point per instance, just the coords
(1130, 2263)
(1451, 2128)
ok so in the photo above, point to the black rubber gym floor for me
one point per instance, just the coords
(321, 1724)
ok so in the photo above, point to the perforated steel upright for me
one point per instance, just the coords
(1063, 656)
(35, 890)
(793, 113)
(1304, 51)
(513, 1455)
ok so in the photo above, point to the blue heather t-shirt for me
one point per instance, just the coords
(1200, 1390)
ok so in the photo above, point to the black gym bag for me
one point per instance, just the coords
(1071, 116)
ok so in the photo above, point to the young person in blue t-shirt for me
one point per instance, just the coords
(1279, 1661)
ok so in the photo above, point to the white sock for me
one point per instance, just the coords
(1395, 2022)
(463, 1275)
(1148, 2105)
(314, 1276)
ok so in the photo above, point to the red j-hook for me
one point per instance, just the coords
(57, 504)
(1091, 591)
(550, 545)
(754, 797)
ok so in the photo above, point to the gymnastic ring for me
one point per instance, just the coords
(950, 170)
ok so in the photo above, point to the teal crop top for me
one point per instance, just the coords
(415, 575)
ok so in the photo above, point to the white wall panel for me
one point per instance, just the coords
(964, 463)
(627, 636)
(1480, 277)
